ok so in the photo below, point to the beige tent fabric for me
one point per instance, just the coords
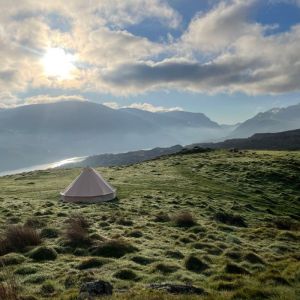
(88, 187)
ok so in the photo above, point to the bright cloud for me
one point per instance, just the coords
(52, 99)
(143, 106)
(221, 50)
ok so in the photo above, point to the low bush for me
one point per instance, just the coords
(77, 233)
(184, 219)
(113, 248)
(18, 237)
(9, 287)
(35, 222)
(78, 220)
(43, 253)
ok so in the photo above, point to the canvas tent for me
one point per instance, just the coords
(88, 187)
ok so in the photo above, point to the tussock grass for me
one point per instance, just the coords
(138, 234)
(184, 219)
(18, 237)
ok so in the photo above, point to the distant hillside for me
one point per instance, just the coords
(128, 158)
(274, 120)
(174, 118)
(43, 133)
(286, 140)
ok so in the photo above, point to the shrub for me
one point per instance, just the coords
(9, 289)
(125, 274)
(43, 253)
(49, 233)
(77, 231)
(35, 222)
(91, 263)
(113, 248)
(79, 220)
(18, 237)
(184, 219)
(195, 264)
(230, 219)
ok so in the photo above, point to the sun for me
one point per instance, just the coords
(58, 63)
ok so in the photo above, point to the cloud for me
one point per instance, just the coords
(229, 54)
(52, 99)
(221, 26)
(222, 50)
(143, 106)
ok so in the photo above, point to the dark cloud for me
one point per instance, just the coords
(184, 74)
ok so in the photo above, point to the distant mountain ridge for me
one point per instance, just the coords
(174, 118)
(127, 158)
(273, 120)
(286, 140)
(43, 133)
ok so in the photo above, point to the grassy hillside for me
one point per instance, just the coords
(225, 222)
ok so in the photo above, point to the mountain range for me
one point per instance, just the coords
(273, 120)
(286, 140)
(43, 133)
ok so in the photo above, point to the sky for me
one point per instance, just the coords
(229, 59)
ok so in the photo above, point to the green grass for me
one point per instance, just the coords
(222, 190)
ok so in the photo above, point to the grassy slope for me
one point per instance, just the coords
(259, 186)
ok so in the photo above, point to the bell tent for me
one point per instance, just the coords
(88, 187)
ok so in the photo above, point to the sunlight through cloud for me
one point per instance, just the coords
(59, 64)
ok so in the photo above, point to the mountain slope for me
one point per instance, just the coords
(70, 116)
(174, 118)
(274, 120)
(286, 140)
(42, 133)
(120, 159)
